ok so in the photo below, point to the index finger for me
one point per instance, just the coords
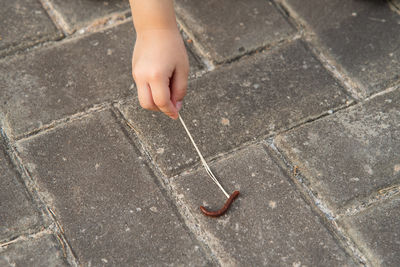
(162, 98)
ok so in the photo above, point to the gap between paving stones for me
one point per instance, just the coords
(206, 240)
(25, 237)
(217, 157)
(111, 19)
(64, 40)
(50, 223)
(355, 205)
(352, 85)
(202, 53)
(63, 121)
(295, 177)
(204, 236)
(107, 104)
(36, 236)
(57, 19)
(98, 25)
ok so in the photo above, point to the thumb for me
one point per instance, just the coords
(178, 85)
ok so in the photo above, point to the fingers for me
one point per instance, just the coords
(162, 98)
(145, 97)
(179, 85)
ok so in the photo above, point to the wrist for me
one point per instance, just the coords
(158, 33)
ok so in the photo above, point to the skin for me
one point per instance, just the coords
(160, 64)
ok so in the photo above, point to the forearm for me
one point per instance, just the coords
(153, 15)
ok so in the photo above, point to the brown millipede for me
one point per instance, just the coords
(224, 208)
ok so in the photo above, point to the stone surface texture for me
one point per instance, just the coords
(18, 214)
(362, 36)
(350, 154)
(24, 23)
(269, 224)
(72, 77)
(44, 250)
(105, 196)
(293, 103)
(377, 230)
(250, 25)
(239, 103)
(80, 13)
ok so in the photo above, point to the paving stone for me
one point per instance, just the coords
(105, 197)
(350, 154)
(17, 212)
(64, 79)
(362, 36)
(24, 23)
(377, 231)
(255, 97)
(269, 224)
(80, 13)
(41, 251)
(227, 29)
(72, 77)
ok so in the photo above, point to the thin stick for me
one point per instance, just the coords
(203, 161)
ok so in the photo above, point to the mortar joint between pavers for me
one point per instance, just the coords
(352, 85)
(56, 17)
(63, 121)
(329, 216)
(34, 192)
(183, 214)
(104, 23)
(393, 87)
(199, 50)
(375, 198)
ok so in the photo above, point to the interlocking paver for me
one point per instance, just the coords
(362, 36)
(18, 214)
(105, 197)
(80, 13)
(41, 251)
(377, 231)
(350, 154)
(232, 105)
(24, 23)
(269, 224)
(227, 29)
(55, 82)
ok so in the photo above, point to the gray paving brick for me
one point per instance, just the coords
(377, 231)
(24, 23)
(269, 224)
(227, 29)
(362, 36)
(105, 197)
(41, 251)
(52, 83)
(257, 96)
(80, 13)
(17, 212)
(350, 154)
(62, 80)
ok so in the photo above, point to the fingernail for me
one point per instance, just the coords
(178, 105)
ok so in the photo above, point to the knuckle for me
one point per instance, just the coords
(162, 103)
(156, 75)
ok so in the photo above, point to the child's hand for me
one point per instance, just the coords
(160, 68)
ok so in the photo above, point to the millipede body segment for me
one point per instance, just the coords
(223, 209)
